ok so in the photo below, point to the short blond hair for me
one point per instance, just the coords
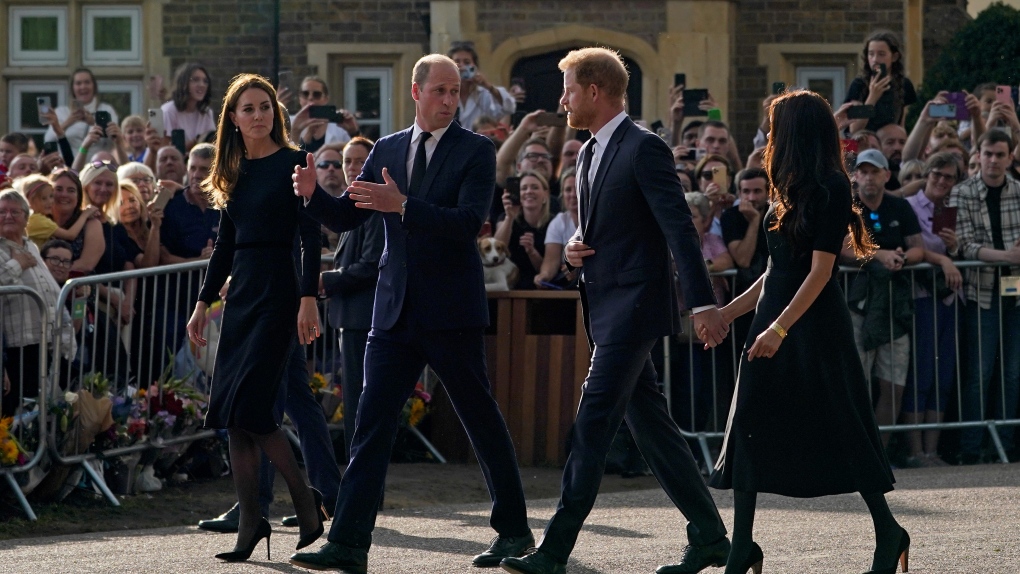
(423, 66)
(600, 66)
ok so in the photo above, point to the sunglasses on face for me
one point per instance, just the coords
(326, 164)
(311, 95)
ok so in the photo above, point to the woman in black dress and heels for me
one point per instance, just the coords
(260, 219)
(801, 422)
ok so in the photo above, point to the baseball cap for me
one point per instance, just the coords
(874, 157)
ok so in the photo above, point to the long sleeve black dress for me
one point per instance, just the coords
(254, 247)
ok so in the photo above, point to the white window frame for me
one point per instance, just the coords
(121, 86)
(93, 57)
(17, 87)
(385, 76)
(835, 74)
(19, 57)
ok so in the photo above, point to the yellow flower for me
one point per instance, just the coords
(6, 423)
(417, 412)
(8, 452)
(317, 381)
(338, 415)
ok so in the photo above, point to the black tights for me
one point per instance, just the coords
(245, 457)
(887, 535)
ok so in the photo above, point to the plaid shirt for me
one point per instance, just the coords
(22, 322)
(974, 231)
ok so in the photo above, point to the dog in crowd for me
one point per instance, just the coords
(500, 273)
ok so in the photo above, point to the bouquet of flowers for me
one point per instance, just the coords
(11, 451)
(416, 406)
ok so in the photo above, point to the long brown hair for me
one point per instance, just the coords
(182, 87)
(803, 149)
(896, 70)
(226, 166)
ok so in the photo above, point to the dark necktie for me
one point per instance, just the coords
(420, 164)
(585, 189)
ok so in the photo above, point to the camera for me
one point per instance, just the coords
(467, 72)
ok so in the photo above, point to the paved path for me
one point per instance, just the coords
(961, 520)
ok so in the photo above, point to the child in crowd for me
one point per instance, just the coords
(882, 83)
(38, 190)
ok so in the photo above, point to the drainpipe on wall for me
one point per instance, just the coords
(276, 40)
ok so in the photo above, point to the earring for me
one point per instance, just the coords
(237, 129)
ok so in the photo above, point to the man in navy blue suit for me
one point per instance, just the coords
(433, 184)
(632, 217)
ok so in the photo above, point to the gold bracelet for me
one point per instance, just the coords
(778, 329)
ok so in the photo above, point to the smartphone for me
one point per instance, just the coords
(959, 99)
(285, 79)
(43, 106)
(719, 177)
(103, 119)
(679, 80)
(778, 88)
(325, 112)
(467, 73)
(1004, 94)
(693, 99)
(862, 112)
(177, 140)
(944, 218)
(513, 187)
(553, 119)
(692, 155)
(517, 81)
(49, 147)
(163, 197)
(156, 121)
(942, 111)
(882, 70)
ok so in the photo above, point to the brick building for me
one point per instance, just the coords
(365, 48)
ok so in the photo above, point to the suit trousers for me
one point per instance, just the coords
(394, 359)
(297, 400)
(352, 369)
(621, 385)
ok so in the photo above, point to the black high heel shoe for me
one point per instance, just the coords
(264, 530)
(902, 554)
(319, 513)
(753, 560)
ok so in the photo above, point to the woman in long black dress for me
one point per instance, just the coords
(801, 422)
(259, 220)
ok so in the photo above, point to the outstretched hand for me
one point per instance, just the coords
(304, 178)
(385, 197)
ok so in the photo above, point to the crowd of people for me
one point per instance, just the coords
(118, 195)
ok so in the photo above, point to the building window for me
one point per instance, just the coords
(38, 36)
(366, 93)
(24, 105)
(828, 81)
(124, 97)
(112, 36)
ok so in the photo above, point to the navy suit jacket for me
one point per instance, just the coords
(350, 286)
(638, 216)
(430, 262)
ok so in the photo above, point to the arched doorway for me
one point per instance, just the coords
(543, 81)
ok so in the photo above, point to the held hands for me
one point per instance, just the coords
(576, 252)
(710, 327)
(197, 324)
(308, 321)
(384, 197)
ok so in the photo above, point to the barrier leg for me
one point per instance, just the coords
(100, 483)
(998, 442)
(16, 489)
(289, 431)
(705, 452)
(428, 445)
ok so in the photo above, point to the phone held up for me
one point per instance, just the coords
(862, 112)
(103, 119)
(882, 71)
(553, 119)
(325, 112)
(156, 121)
(679, 80)
(513, 189)
(942, 111)
(692, 102)
(43, 105)
(177, 140)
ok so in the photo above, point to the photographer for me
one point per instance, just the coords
(311, 133)
(478, 97)
(76, 121)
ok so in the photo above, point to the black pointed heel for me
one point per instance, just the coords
(320, 511)
(264, 530)
(902, 555)
(753, 561)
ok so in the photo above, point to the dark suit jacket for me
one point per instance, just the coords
(430, 261)
(638, 217)
(350, 286)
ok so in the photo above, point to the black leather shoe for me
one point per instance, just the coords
(535, 563)
(292, 520)
(504, 547)
(226, 522)
(334, 556)
(697, 558)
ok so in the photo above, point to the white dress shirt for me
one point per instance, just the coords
(430, 147)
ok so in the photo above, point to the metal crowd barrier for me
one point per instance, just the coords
(705, 414)
(24, 419)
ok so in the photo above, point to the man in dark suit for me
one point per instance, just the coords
(350, 287)
(433, 184)
(632, 217)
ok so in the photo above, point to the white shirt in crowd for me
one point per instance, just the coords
(76, 132)
(193, 123)
(334, 133)
(482, 103)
